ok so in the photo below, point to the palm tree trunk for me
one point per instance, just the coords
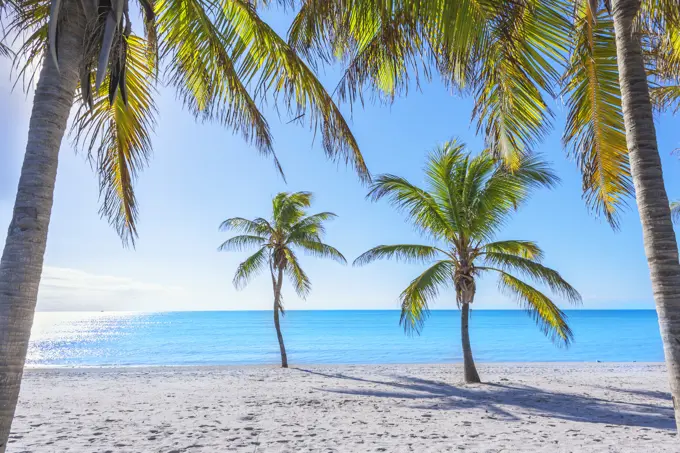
(645, 164)
(470, 371)
(22, 258)
(277, 307)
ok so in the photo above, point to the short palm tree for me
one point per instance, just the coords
(289, 228)
(465, 203)
(223, 60)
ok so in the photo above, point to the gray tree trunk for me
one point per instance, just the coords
(22, 258)
(657, 229)
(469, 369)
(277, 308)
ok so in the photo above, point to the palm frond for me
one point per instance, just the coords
(242, 242)
(415, 299)
(288, 208)
(202, 67)
(296, 275)
(595, 133)
(526, 43)
(419, 205)
(666, 97)
(269, 63)
(320, 250)
(259, 226)
(525, 249)
(310, 226)
(250, 267)
(118, 136)
(410, 253)
(536, 271)
(549, 318)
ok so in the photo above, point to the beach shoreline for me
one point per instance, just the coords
(551, 407)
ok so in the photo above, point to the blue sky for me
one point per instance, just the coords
(201, 174)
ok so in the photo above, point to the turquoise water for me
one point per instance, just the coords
(248, 337)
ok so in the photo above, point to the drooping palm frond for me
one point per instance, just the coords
(251, 267)
(549, 318)
(410, 253)
(242, 242)
(117, 137)
(535, 271)
(272, 65)
(296, 275)
(666, 97)
(415, 299)
(526, 41)
(595, 133)
(203, 70)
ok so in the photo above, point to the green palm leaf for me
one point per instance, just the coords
(250, 267)
(595, 132)
(320, 250)
(117, 136)
(549, 318)
(410, 253)
(296, 275)
(240, 243)
(525, 249)
(415, 299)
(534, 270)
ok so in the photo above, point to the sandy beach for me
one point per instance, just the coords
(390, 408)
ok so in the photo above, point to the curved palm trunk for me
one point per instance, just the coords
(645, 164)
(277, 307)
(470, 371)
(22, 258)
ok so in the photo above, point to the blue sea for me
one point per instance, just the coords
(331, 337)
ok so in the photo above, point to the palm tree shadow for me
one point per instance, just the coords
(506, 401)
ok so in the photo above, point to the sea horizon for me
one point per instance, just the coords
(240, 337)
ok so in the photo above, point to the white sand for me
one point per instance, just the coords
(391, 408)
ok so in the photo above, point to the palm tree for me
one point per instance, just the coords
(289, 228)
(509, 55)
(462, 208)
(224, 62)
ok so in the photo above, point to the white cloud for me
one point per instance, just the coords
(64, 289)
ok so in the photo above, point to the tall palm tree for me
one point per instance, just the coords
(289, 228)
(509, 55)
(224, 62)
(465, 203)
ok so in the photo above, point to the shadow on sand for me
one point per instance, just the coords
(503, 401)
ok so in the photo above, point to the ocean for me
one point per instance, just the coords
(331, 337)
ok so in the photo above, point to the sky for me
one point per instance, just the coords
(201, 174)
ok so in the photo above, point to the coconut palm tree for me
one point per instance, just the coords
(220, 56)
(509, 55)
(289, 228)
(465, 203)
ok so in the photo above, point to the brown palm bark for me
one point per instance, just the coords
(277, 307)
(469, 369)
(22, 258)
(645, 164)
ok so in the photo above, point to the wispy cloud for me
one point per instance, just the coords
(64, 289)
